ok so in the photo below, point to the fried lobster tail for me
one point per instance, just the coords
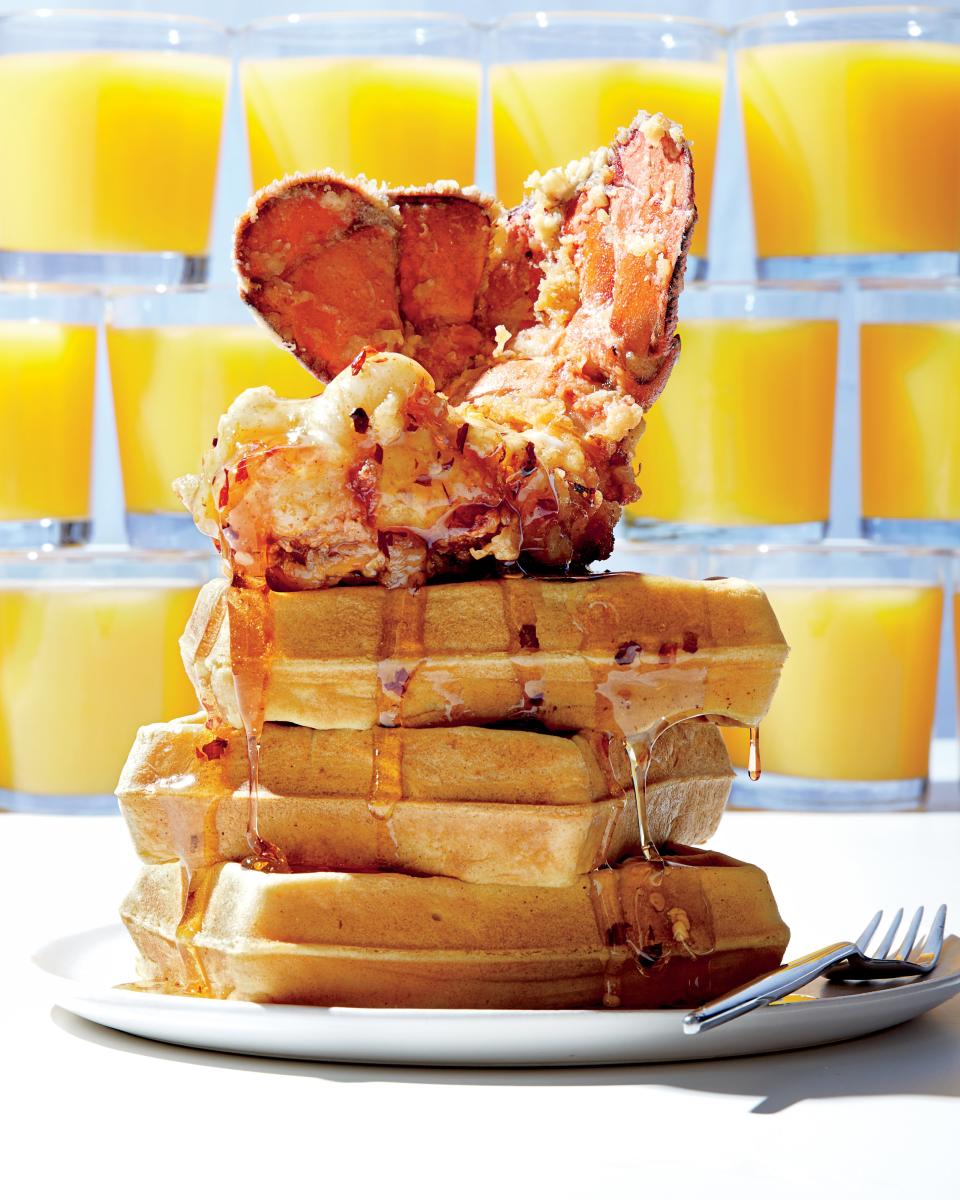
(539, 338)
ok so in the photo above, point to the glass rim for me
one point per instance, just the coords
(133, 291)
(43, 289)
(107, 553)
(942, 283)
(800, 16)
(119, 552)
(607, 18)
(814, 287)
(143, 20)
(828, 548)
(297, 20)
(654, 548)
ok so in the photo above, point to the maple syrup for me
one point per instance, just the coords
(521, 602)
(251, 643)
(608, 913)
(386, 791)
(197, 887)
(753, 756)
(622, 692)
(401, 650)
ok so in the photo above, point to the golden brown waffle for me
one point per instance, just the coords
(697, 929)
(477, 804)
(618, 652)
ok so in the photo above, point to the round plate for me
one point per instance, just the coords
(83, 971)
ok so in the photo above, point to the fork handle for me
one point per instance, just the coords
(772, 986)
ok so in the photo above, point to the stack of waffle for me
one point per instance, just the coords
(447, 773)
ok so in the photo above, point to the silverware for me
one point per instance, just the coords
(843, 961)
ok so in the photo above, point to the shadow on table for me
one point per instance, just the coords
(920, 1058)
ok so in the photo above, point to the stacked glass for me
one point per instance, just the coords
(562, 83)
(111, 125)
(850, 120)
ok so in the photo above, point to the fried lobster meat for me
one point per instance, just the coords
(490, 369)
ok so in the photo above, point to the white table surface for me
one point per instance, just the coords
(78, 1102)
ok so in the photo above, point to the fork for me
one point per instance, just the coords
(842, 961)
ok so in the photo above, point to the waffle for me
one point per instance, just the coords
(618, 652)
(394, 940)
(483, 805)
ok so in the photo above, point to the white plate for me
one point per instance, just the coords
(82, 972)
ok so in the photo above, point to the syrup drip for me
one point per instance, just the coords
(251, 644)
(195, 849)
(753, 758)
(521, 603)
(400, 655)
(196, 892)
(638, 755)
(401, 650)
(608, 913)
(649, 912)
(606, 882)
(617, 797)
(386, 791)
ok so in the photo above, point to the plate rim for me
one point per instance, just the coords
(117, 996)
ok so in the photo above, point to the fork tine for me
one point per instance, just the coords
(929, 951)
(911, 935)
(884, 948)
(864, 939)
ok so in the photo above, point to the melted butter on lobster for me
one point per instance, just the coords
(488, 369)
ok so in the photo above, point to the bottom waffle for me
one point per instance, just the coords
(675, 932)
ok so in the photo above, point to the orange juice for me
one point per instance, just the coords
(910, 420)
(853, 146)
(109, 151)
(46, 412)
(547, 113)
(743, 433)
(402, 119)
(81, 668)
(856, 698)
(171, 383)
(956, 642)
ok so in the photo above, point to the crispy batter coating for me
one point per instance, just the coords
(490, 369)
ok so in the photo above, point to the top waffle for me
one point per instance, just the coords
(623, 653)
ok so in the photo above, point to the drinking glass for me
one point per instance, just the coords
(391, 95)
(48, 353)
(683, 560)
(851, 722)
(563, 83)
(955, 615)
(178, 358)
(110, 124)
(851, 119)
(88, 653)
(910, 410)
(739, 444)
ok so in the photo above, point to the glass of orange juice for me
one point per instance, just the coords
(48, 354)
(851, 722)
(391, 95)
(739, 444)
(178, 358)
(88, 653)
(851, 119)
(563, 83)
(955, 615)
(910, 410)
(110, 125)
(682, 560)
